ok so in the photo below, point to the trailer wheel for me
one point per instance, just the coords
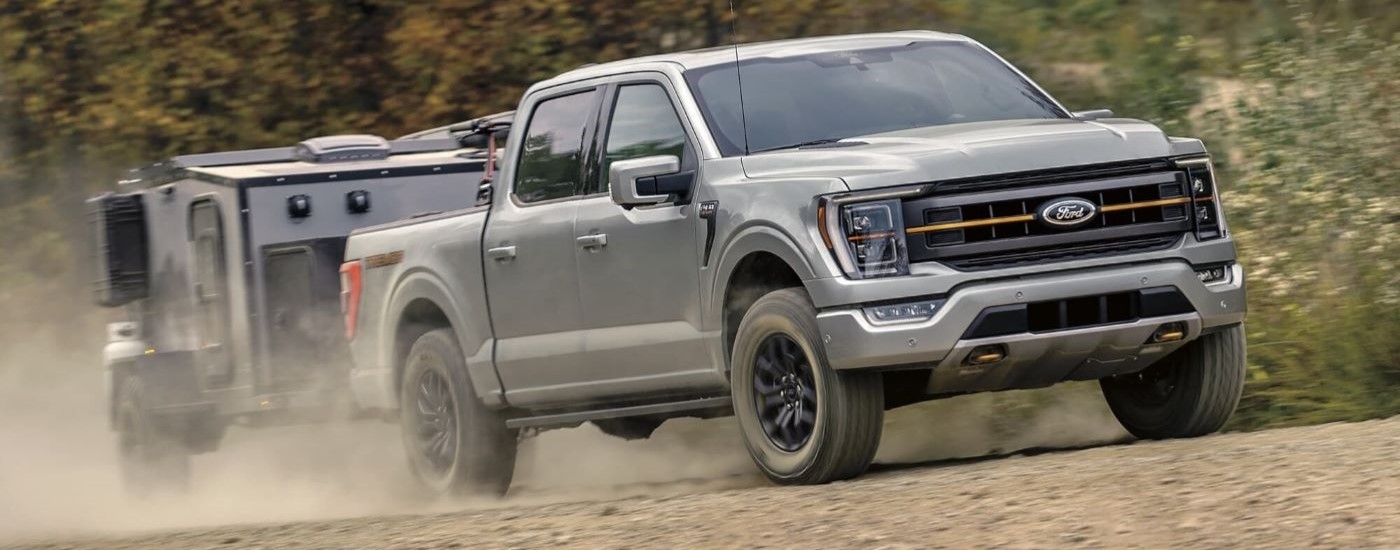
(153, 459)
(802, 421)
(456, 446)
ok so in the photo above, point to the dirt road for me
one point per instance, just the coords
(1329, 486)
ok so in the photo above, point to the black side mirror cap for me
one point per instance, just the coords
(678, 185)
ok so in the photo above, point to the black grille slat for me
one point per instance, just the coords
(942, 215)
(940, 238)
(1063, 253)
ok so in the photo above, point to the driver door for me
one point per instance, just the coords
(638, 268)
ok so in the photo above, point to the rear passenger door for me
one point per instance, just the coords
(531, 274)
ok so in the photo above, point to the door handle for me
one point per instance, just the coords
(501, 253)
(597, 240)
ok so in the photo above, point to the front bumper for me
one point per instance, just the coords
(1034, 359)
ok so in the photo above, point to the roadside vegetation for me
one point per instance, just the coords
(1295, 98)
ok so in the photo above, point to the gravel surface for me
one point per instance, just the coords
(1325, 486)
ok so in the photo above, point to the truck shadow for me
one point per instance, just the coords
(881, 467)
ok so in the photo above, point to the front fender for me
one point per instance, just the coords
(758, 237)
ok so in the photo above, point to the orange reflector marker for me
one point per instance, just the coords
(821, 225)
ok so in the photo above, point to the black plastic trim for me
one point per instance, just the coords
(1086, 235)
(1067, 174)
(1163, 300)
(1108, 309)
(571, 418)
(1095, 249)
(999, 321)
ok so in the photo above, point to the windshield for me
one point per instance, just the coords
(791, 101)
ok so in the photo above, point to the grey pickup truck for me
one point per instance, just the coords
(803, 234)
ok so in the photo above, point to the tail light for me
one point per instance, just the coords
(350, 280)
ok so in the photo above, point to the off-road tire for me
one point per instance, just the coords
(1203, 381)
(482, 458)
(154, 460)
(849, 406)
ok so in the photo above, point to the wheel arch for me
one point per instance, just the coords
(423, 302)
(755, 262)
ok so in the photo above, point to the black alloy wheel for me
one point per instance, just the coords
(437, 422)
(785, 392)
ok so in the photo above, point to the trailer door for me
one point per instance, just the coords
(211, 292)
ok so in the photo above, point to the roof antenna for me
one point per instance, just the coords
(739, 74)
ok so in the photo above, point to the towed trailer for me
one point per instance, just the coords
(222, 270)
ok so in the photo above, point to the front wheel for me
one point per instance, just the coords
(802, 421)
(1190, 393)
(456, 446)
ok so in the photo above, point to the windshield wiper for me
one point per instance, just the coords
(813, 143)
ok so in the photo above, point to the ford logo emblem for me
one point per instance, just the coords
(1067, 212)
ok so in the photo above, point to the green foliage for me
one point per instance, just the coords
(1314, 200)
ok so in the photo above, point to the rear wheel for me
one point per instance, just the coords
(456, 445)
(154, 460)
(1190, 393)
(803, 422)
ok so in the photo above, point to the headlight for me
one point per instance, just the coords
(867, 238)
(1207, 212)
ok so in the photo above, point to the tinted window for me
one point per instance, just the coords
(849, 93)
(644, 124)
(549, 160)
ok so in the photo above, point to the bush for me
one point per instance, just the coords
(1310, 185)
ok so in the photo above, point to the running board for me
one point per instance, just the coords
(579, 417)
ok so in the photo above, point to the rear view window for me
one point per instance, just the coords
(552, 151)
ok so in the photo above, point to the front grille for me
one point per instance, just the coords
(1025, 211)
(1135, 212)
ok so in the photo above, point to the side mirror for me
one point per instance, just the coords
(632, 182)
(1092, 115)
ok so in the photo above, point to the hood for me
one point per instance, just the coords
(966, 150)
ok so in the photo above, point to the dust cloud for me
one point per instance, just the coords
(59, 477)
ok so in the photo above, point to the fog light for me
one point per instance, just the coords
(903, 313)
(1169, 332)
(1214, 274)
(986, 355)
